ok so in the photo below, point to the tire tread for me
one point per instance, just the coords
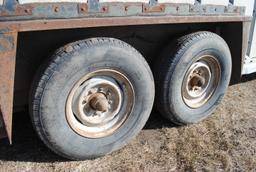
(46, 71)
(166, 65)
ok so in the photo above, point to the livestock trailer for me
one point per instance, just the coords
(91, 70)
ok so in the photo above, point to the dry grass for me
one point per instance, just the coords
(224, 142)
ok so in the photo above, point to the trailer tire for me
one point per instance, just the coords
(116, 86)
(192, 76)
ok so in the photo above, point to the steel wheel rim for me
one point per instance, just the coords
(99, 103)
(201, 81)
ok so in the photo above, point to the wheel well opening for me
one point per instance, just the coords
(35, 47)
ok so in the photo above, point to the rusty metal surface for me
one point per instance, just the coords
(37, 25)
(8, 41)
(21, 10)
(153, 9)
(14, 11)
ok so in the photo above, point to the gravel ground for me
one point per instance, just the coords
(224, 142)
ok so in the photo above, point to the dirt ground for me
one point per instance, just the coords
(224, 142)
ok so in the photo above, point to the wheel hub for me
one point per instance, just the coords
(200, 82)
(99, 103)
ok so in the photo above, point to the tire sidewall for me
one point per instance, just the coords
(210, 46)
(72, 67)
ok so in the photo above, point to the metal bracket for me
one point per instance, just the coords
(153, 7)
(157, 8)
(25, 10)
(12, 8)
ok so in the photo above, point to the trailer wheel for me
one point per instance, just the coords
(92, 98)
(192, 77)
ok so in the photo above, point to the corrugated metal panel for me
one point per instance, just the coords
(215, 2)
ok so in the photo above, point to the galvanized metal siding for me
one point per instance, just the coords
(204, 2)
(50, 1)
(215, 2)
(177, 1)
(249, 4)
